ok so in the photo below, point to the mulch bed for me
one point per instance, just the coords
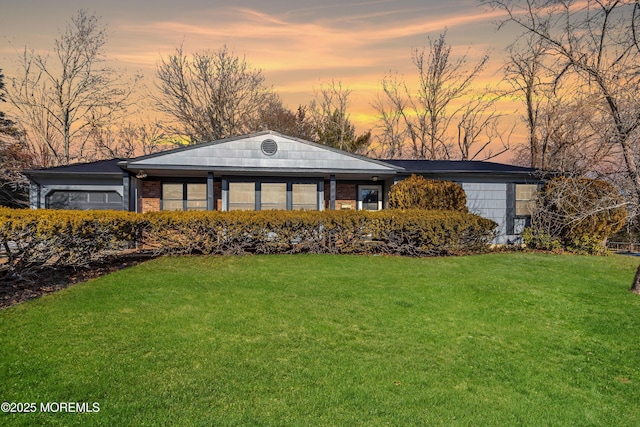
(50, 280)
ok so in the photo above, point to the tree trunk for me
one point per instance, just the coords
(635, 287)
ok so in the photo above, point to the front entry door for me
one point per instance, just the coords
(370, 197)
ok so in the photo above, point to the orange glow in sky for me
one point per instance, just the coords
(298, 46)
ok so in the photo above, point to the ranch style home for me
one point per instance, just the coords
(268, 170)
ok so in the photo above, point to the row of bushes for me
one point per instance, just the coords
(32, 239)
(410, 232)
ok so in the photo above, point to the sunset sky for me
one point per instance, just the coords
(299, 45)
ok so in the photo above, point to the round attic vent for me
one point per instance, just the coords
(269, 147)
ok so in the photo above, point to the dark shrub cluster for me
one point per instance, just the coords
(34, 239)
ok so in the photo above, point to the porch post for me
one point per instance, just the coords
(138, 191)
(321, 195)
(126, 190)
(332, 192)
(386, 188)
(34, 195)
(210, 196)
(225, 194)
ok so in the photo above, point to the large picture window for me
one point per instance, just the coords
(273, 196)
(84, 200)
(305, 196)
(172, 195)
(196, 197)
(268, 195)
(242, 196)
(184, 196)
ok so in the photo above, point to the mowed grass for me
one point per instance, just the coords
(492, 340)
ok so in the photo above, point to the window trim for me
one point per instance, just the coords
(256, 194)
(272, 205)
(516, 200)
(293, 206)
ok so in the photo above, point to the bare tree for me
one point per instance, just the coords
(129, 139)
(575, 211)
(212, 95)
(392, 131)
(592, 43)
(563, 133)
(635, 26)
(7, 126)
(567, 136)
(330, 119)
(427, 113)
(525, 73)
(278, 118)
(572, 138)
(479, 136)
(635, 286)
(14, 158)
(60, 99)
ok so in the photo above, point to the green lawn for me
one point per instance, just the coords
(492, 340)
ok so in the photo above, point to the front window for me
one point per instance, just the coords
(196, 197)
(172, 195)
(305, 196)
(525, 199)
(273, 196)
(184, 196)
(242, 196)
(261, 195)
(83, 200)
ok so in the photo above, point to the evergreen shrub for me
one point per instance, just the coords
(417, 192)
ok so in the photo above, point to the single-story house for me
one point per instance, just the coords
(268, 170)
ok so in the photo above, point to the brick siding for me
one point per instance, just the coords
(151, 194)
(345, 196)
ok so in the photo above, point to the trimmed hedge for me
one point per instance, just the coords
(411, 232)
(33, 239)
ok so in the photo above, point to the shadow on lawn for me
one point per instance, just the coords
(50, 279)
